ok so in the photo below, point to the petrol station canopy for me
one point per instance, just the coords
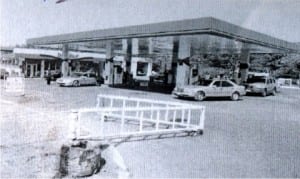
(205, 25)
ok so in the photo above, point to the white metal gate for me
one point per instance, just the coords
(120, 116)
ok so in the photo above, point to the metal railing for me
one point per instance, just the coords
(119, 116)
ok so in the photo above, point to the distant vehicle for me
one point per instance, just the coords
(277, 85)
(285, 81)
(54, 76)
(78, 79)
(214, 88)
(3, 74)
(261, 83)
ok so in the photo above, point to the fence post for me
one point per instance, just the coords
(98, 101)
(111, 102)
(202, 118)
(73, 126)
(167, 112)
(141, 121)
(151, 110)
(189, 118)
(137, 106)
(174, 118)
(182, 116)
(157, 119)
(102, 125)
(123, 115)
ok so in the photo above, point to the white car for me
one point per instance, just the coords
(214, 88)
(78, 79)
(261, 84)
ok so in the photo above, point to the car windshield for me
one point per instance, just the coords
(76, 75)
(256, 79)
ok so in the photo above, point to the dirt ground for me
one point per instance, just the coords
(253, 137)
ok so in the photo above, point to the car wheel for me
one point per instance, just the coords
(199, 96)
(274, 92)
(235, 96)
(178, 97)
(76, 83)
(264, 93)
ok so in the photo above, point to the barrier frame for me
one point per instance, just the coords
(158, 112)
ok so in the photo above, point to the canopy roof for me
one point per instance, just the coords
(205, 25)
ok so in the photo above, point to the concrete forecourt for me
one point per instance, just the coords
(253, 137)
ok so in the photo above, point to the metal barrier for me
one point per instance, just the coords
(143, 116)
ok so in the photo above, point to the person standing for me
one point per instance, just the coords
(237, 73)
(49, 77)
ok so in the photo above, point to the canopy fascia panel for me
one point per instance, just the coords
(205, 25)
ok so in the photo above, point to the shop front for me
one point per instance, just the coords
(39, 68)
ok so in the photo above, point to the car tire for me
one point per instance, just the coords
(274, 92)
(264, 93)
(199, 96)
(200, 132)
(76, 83)
(235, 96)
(178, 97)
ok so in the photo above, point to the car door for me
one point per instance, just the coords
(87, 79)
(227, 88)
(92, 79)
(215, 89)
(270, 85)
(83, 79)
(273, 84)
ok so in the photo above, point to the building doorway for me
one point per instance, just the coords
(32, 70)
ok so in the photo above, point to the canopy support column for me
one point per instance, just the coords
(244, 62)
(65, 63)
(183, 69)
(42, 68)
(108, 71)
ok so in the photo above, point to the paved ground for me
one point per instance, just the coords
(254, 137)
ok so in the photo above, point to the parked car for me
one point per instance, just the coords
(261, 84)
(277, 85)
(78, 79)
(53, 76)
(3, 74)
(285, 81)
(214, 88)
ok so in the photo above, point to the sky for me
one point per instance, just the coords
(23, 19)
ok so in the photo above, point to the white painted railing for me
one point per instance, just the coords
(125, 116)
